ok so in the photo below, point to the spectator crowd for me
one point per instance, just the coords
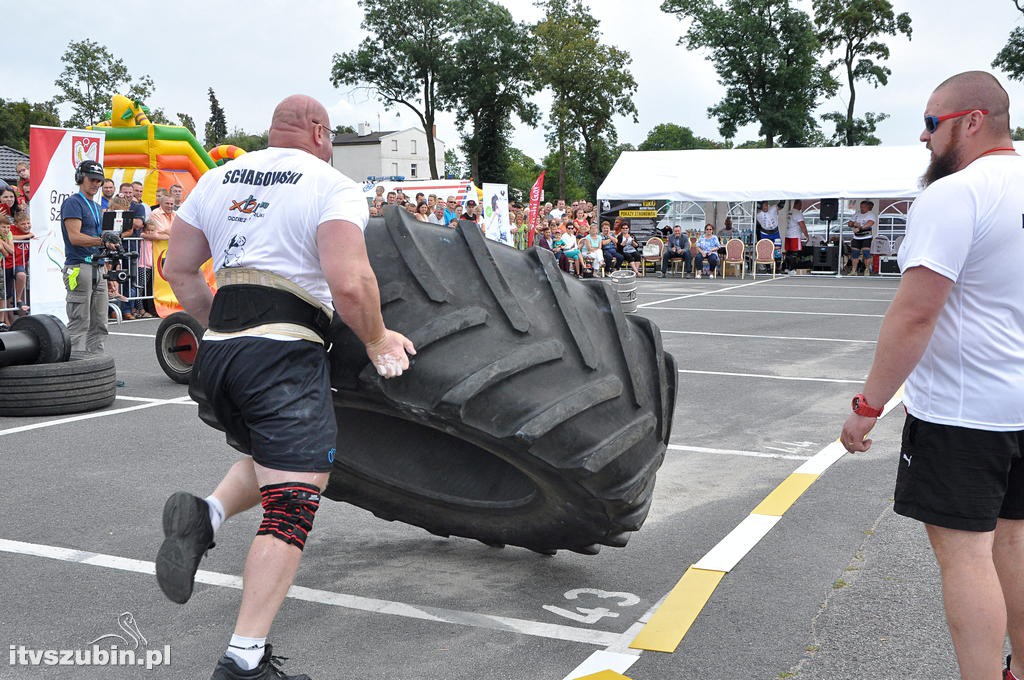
(140, 226)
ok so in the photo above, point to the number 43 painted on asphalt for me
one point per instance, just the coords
(595, 614)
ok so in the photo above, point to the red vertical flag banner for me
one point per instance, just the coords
(535, 193)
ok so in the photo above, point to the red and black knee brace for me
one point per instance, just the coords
(288, 511)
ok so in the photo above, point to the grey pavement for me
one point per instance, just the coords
(841, 588)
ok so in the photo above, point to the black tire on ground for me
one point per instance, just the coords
(50, 333)
(177, 340)
(535, 412)
(83, 383)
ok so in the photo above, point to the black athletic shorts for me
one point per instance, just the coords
(959, 478)
(272, 399)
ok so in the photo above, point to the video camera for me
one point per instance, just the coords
(112, 252)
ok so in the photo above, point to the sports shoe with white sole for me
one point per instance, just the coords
(188, 535)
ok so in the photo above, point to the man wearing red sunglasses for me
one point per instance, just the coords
(954, 334)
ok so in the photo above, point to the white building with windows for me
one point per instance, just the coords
(389, 153)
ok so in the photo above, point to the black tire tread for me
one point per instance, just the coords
(83, 383)
(495, 280)
(570, 398)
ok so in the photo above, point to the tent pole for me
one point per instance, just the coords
(839, 244)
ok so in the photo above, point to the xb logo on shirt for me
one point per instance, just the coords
(249, 206)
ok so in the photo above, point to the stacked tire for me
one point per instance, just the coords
(59, 382)
(536, 413)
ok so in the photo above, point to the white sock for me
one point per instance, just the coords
(246, 651)
(216, 512)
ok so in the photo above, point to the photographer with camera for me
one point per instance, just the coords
(86, 249)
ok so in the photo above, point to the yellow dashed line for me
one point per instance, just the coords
(673, 619)
(604, 675)
(785, 494)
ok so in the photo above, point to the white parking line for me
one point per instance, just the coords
(779, 283)
(707, 292)
(793, 297)
(757, 311)
(736, 452)
(506, 624)
(90, 416)
(768, 337)
(773, 377)
(134, 335)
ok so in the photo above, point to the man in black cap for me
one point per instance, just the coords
(82, 226)
(470, 214)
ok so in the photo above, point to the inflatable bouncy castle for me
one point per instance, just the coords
(137, 150)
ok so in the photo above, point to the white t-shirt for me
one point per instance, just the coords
(769, 219)
(262, 210)
(795, 218)
(968, 228)
(861, 220)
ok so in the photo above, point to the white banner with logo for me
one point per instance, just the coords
(497, 225)
(54, 153)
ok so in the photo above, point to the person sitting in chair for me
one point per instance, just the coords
(707, 251)
(676, 248)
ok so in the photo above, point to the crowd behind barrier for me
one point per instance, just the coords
(129, 278)
(583, 247)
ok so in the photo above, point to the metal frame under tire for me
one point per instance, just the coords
(83, 383)
(535, 413)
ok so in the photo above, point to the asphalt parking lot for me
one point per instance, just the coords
(839, 587)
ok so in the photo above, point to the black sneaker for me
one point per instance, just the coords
(189, 534)
(269, 669)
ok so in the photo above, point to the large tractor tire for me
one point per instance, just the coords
(535, 413)
(83, 383)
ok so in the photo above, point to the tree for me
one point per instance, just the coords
(453, 168)
(217, 125)
(765, 53)
(403, 58)
(851, 27)
(590, 84)
(670, 137)
(522, 170)
(187, 122)
(860, 131)
(570, 184)
(90, 79)
(491, 78)
(244, 140)
(16, 117)
(344, 129)
(1011, 57)
(1018, 134)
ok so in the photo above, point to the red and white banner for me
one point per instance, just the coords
(462, 189)
(54, 153)
(536, 194)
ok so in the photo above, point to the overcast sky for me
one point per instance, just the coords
(255, 53)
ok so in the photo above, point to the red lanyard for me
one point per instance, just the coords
(998, 148)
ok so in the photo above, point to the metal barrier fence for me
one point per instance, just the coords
(137, 286)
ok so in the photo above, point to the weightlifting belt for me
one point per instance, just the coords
(241, 306)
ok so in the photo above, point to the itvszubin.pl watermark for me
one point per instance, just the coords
(114, 649)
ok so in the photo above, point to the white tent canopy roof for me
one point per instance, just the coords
(768, 174)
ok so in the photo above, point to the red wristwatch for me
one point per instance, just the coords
(862, 408)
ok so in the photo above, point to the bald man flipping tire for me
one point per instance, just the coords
(285, 231)
(954, 333)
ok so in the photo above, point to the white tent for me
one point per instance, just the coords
(768, 174)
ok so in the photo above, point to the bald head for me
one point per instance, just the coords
(301, 122)
(978, 90)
